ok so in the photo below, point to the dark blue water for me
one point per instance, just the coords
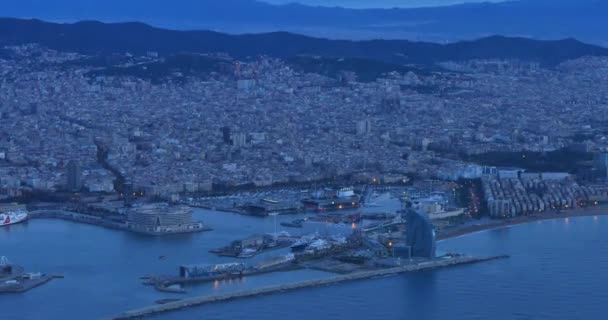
(103, 267)
(557, 271)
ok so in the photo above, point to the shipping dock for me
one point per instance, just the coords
(14, 279)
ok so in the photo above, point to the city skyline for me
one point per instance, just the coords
(437, 163)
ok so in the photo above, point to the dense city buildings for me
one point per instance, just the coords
(529, 193)
(265, 122)
(74, 176)
(159, 170)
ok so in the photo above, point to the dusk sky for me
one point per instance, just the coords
(378, 3)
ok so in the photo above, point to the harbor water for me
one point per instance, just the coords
(556, 271)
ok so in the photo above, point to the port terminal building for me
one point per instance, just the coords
(162, 218)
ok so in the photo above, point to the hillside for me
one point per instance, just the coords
(100, 38)
(540, 19)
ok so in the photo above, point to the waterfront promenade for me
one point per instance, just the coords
(207, 299)
(457, 231)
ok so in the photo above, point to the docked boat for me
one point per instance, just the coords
(12, 217)
(318, 245)
(294, 224)
(300, 245)
(304, 242)
(247, 253)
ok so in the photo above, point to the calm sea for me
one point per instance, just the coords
(557, 270)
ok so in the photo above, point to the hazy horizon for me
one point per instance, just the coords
(361, 4)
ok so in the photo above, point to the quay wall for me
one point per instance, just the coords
(99, 221)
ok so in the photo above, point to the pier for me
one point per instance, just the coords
(23, 285)
(202, 300)
(168, 283)
(14, 279)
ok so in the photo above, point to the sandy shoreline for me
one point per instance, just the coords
(601, 210)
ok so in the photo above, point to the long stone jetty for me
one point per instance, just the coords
(197, 301)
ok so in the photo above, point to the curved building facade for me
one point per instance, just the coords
(160, 216)
(420, 234)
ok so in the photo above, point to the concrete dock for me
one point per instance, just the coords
(197, 301)
(26, 284)
(166, 283)
(16, 280)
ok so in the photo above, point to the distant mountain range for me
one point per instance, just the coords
(541, 19)
(100, 38)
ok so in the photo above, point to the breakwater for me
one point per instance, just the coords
(202, 300)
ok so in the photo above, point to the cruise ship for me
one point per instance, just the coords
(12, 217)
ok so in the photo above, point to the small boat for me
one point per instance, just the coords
(247, 253)
(294, 224)
(302, 243)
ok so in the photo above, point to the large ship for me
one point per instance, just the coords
(12, 217)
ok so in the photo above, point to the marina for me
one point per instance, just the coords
(116, 250)
(320, 248)
(357, 254)
(254, 245)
